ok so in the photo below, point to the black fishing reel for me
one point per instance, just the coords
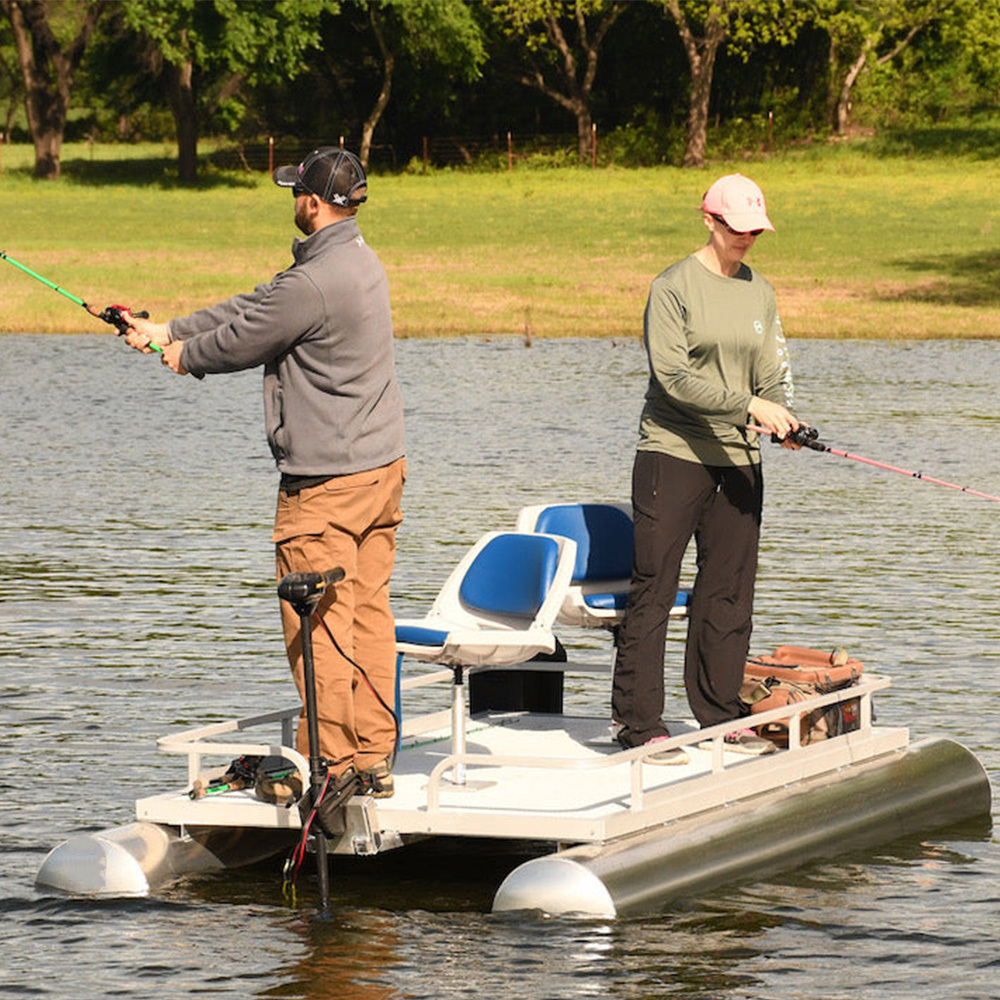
(116, 316)
(805, 436)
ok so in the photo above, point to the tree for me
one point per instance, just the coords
(205, 50)
(865, 33)
(50, 42)
(11, 83)
(705, 26)
(563, 39)
(426, 31)
(701, 50)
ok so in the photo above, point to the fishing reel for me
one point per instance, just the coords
(805, 436)
(116, 316)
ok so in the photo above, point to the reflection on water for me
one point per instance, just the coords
(137, 597)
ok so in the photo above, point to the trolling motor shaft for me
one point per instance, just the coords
(303, 591)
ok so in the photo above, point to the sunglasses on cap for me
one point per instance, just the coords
(735, 232)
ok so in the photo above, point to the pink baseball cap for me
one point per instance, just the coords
(739, 201)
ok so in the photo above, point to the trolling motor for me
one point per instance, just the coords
(303, 591)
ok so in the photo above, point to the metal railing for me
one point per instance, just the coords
(792, 715)
(195, 743)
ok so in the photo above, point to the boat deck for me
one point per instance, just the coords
(559, 778)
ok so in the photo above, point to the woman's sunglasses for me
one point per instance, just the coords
(735, 232)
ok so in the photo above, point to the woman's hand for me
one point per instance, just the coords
(775, 418)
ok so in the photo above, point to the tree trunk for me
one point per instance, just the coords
(47, 68)
(584, 131)
(382, 101)
(702, 71)
(844, 98)
(701, 53)
(184, 104)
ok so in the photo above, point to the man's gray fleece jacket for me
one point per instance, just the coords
(323, 331)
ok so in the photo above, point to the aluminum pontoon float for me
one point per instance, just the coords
(626, 836)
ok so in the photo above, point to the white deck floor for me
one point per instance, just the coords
(548, 777)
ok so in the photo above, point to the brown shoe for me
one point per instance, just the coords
(380, 779)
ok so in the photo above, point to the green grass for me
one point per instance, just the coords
(869, 244)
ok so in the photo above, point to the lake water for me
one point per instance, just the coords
(137, 598)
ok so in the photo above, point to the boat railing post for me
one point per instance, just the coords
(795, 731)
(635, 775)
(866, 710)
(194, 766)
(458, 726)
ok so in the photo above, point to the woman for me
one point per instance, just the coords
(717, 361)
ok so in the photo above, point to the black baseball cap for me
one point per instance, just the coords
(330, 173)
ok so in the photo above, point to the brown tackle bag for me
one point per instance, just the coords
(793, 674)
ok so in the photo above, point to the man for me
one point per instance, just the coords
(323, 332)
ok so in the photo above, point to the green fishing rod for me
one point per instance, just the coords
(116, 316)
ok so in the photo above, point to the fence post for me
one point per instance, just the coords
(341, 142)
(593, 145)
(270, 155)
(510, 153)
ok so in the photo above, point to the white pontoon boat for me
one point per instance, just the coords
(507, 763)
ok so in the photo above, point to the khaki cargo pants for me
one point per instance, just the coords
(349, 521)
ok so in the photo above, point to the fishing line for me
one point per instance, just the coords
(807, 437)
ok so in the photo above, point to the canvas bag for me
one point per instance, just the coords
(793, 674)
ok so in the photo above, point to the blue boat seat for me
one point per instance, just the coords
(603, 533)
(498, 605)
(496, 608)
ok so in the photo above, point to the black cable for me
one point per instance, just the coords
(372, 688)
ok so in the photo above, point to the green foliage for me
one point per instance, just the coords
(442, 32)
(262, 39)
(953, 73)
(310, 68)
(646, 141)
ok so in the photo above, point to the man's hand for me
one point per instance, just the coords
(172, 356)
(776, 419)
(143, 332)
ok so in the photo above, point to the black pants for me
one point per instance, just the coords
(720, 507)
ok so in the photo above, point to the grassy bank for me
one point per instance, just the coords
(867, 246)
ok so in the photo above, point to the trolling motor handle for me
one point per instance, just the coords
(304, 590)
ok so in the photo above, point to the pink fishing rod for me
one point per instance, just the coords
(807, 438)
